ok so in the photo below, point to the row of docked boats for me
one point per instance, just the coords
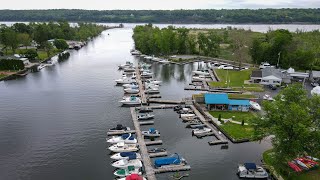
(151, 58)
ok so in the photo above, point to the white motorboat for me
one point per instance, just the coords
(145, 116)
(151, 85)
(187, 115)
(122, 147)
(151, 133)
(199, 78)
(268, 97)
(133, 177)
(164, 61)
(148, 57)
(126, 155)
(155, 59)
(126, 138)
(252, 171)
(152, 90)
(131, 85)
(135, 52)
(132, 76)
(153, 81)
(41, 66)
(125, 81)
(129, 69)
(124, 163)
(200, 131)
(132, 90)
(146, 73)
(119, 128)
(226, 67)
(145, 66)
(127, 171)
(132, 100)
(202, 72)
(126, 65)
(255, 105)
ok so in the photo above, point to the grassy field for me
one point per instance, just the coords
(237, 132)
(238, 116)
(42, 55)
(309, 175)
(236, 79)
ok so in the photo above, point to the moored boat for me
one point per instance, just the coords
(124, 163)
(174, 159)
(122, 147)
(151, 133)
(145, 110)
(126, 155)
(127, 171)
(145, 116)
(133, 177)
(120, 128)
(252, 171)
(132, 90)
(132, 100)
(202, 72)
(126, 138)
(201, 130)
(125, 81)
(255, 105)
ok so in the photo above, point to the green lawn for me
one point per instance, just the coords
(252, 89)
(237, 132)
(241, 96)
(238, 116)
(2, 75)
(308, 175)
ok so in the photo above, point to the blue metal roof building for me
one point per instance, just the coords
(222, 102)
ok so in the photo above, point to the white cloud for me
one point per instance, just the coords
(157, 4)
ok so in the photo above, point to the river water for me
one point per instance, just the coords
(53, 123)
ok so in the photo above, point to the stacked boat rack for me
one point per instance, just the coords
(131, 155)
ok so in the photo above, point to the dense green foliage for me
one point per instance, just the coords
(155, 41)
(167, 16)
(61, 44)
(280, 45)
(11, 64)
(294, 120)
(31, 54)
(21, 34)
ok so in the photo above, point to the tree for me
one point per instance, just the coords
(30, 54)
(47, 46)
(24, 39)
(61, 44)
(293, 119)
(9, 39)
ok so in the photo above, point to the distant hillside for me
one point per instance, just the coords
(270, 16)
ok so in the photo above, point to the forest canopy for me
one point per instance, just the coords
(270, 16)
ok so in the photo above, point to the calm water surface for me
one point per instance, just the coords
(53, 123)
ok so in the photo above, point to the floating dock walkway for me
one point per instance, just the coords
(141, 87)
(221, 139)
(111, 133)
(162, 101)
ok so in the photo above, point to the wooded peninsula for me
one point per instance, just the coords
(269, 16)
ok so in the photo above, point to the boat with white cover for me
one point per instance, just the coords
(201, 131)
(132, 100)
(152, 90)
(126, 65)
(126, 155)
(202, 72)
(252, 171)
(129, 69)
(145, 116)
(132, 90)
(124, 163)
(152, 132)
(255, 105)
(153, 81)
(187, 115)
(133, 84)
(126, 138)
(122, 147)
(127, 171)
(148, 57)
(125, 81)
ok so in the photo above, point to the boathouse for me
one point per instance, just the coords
(221, 102)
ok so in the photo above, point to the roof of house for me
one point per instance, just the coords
(271, 71)
(316, 74)
(239, 102)
(211, 98)
(256, 73)
(271, 78)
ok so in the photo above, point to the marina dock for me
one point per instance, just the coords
(220, 138)
(143, 148)
(172, 168)
(162, 101)
(141, 86)
(159, 107)
(159, 154)
(146, 123)
(111, 133)
(150, 143)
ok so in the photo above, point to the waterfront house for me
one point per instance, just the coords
(270, 75)
(221, 102)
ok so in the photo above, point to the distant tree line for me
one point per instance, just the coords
(167, 16)
(167, 41)
(21, 34)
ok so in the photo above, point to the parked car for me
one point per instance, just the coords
(225, 67)
(314, 84)
(272, 87)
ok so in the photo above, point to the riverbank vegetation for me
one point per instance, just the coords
(268, 16)
(299, 49)
(293, 121)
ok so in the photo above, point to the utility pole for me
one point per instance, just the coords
(278, 59)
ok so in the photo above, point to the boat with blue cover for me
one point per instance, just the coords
(152, 132)
(126, 155)
(252, 171)
(126, 138)
(174, 159)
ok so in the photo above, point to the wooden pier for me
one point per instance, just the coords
(213, 77)
(150, 143)
(172, 168)
(162, 101)
(159, 154)
(111, 133)
(146, 123)
(154, 96)
(220, 138)
(159, 107)
(143, 148)
(141, 86)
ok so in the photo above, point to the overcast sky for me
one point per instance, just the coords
(156, 4)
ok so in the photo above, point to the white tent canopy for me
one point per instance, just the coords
(316, 91)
